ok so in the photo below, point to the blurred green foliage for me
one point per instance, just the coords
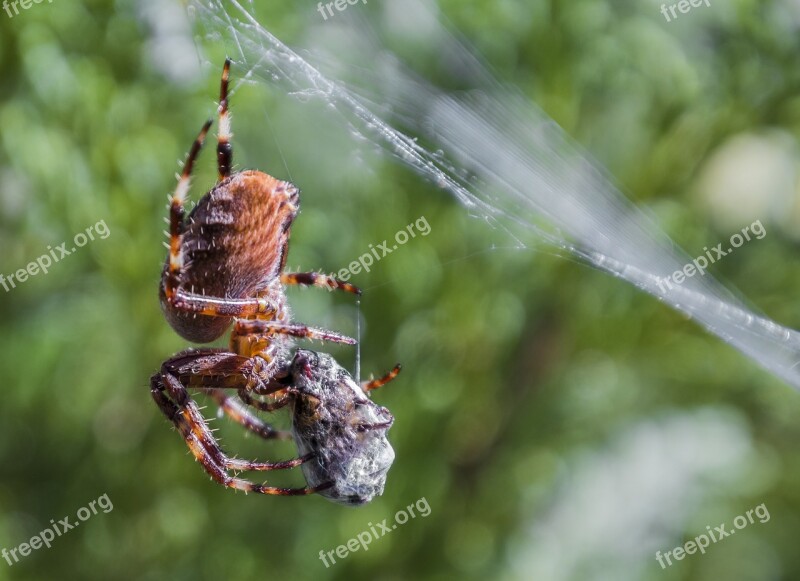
(517, 363)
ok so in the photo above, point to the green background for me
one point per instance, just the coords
(560, 424)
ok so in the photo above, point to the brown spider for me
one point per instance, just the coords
(225, 265)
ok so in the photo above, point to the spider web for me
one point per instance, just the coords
(503, 159)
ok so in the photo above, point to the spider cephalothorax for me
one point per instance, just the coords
(225, 264)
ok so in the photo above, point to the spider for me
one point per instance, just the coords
(225, 266)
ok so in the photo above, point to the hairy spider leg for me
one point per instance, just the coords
(210, 463)
(237, 409)
(319, 280)
(176, 214)
(216, 370)
(193, 427)
(224, 147)
(184, 414)
(216, 307)
(376, 383)
(260, 328)
(264, 406)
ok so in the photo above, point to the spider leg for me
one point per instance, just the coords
(219, 307)
(210, 463)
(376, 383)
(187, 416)
(237, 410)
(245, 396)
(264, 328)
(216, 370)
(176, 213)
(319, 280)
(199, 369)
(224, 147)
(173, 399)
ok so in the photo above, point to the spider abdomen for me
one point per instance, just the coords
(233, 246)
